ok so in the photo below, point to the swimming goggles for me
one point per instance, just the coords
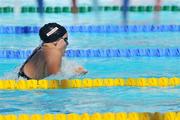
(65, 40)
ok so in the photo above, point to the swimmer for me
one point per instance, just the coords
(46, 59)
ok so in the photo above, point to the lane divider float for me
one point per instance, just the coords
(107, 53)
(88, 83)
(95, 29)
(85, 9)
(96, 116)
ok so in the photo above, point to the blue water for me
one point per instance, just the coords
(113, 99)
(115, 67)
(135, 18)
(94, 40)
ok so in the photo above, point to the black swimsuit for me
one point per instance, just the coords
(21, 72)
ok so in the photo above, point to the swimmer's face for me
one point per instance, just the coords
(65, 38)
(62, 42)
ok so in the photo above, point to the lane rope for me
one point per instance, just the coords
(88, 83)
(95, 29)
(85, 9)
(108, 53)
(96, 116)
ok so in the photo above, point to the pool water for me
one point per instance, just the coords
(112, 99)
(100, 18)
(115, 99)
(97, 41)
(112, 67)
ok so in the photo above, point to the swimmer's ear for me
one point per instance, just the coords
(55, 43)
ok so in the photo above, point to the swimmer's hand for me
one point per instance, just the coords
(81, 70)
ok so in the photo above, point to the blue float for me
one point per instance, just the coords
(95, 29)
(155, 52)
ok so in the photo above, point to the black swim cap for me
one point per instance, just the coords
(51, 32)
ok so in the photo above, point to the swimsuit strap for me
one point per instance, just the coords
(21, 73)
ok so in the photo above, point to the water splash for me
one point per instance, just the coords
(12, 75)
(67, 72)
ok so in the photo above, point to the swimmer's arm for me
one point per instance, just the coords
(53, 59)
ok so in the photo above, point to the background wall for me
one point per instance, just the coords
(84, 2)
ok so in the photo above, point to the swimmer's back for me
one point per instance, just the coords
(37, 66)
